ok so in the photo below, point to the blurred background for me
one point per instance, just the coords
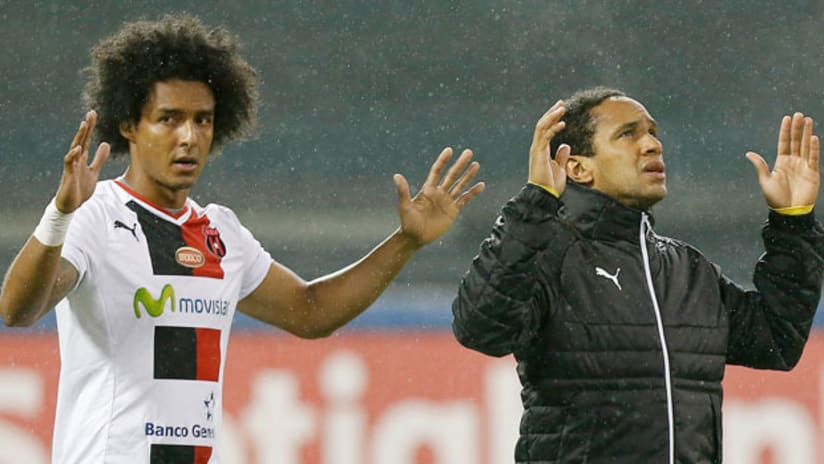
(355, 91)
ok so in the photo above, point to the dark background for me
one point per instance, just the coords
(352, 92)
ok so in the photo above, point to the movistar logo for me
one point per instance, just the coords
(154, 307)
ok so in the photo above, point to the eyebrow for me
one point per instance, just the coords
(176, 111)
(633, 125)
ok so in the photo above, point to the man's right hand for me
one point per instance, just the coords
(544, 171)
(79, 178)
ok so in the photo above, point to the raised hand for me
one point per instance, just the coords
(79, 178)
(794, 179)
(543, 170)
(430, 213)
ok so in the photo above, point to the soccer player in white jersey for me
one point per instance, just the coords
(146, 281)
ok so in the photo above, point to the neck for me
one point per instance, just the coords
(172, 199)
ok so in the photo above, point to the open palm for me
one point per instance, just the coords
(544, 170)
(794, 179)
(79, 178)
(433, 210)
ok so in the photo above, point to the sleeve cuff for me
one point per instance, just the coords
(549, 189)
(539, 198)
(532, 205)
(792, 222)
(795, 210)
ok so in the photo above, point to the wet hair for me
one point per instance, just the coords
(579, 124)
(126, 66)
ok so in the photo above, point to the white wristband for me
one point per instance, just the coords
(53, 226)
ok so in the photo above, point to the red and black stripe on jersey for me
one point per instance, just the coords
(180, 454)
(166, 238)
(186, 353)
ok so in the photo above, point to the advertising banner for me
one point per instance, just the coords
(400, 397)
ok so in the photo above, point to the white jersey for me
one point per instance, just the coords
(143, 335)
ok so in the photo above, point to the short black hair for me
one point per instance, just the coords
(126, 66)
(579, 127)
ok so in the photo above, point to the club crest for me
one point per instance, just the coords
(214, 243)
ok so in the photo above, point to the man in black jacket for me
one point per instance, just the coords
(622, 335)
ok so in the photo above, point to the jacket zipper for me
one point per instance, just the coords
(645, 226)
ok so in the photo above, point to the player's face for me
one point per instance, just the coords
(628, 163)
(170, 144)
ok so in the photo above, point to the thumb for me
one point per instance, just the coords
(403, 190)
(100, 156)
(562, 155)
(559, 167)
(761, 167)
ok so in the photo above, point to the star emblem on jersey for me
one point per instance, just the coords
(601, 272)
(210, 406)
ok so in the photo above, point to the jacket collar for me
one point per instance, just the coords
(600, 217)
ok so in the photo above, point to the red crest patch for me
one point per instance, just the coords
(214, 243)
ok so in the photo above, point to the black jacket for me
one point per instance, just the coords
(613, 372)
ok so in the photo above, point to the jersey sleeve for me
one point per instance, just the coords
(83, 239)
(257, 260)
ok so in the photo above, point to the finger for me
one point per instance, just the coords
(91, 120)
(784, 136)
(549, 119)
(548, 126)
(456, 168)
(72, 155)
(83, 143)
(761, 167)
(795, 134)
(553, 114)
(813, 160)
(80, 134)
(467, 196)
(465, 179)
(70, 160)
(403, 191)
(437, 167)
(806, 133)
(557, 104)
(100, 157)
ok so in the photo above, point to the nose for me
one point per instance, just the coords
(652, 146)
(188, 133)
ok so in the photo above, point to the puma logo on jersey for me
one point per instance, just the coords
(132, 229)
(614, 278)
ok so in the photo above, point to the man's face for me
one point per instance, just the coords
(170, 144)
(628, 163)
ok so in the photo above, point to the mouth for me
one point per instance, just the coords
(187, 164)
(655, 168)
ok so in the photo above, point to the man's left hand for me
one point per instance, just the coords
(794, 179)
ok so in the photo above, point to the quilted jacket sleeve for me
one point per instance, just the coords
(769, 326)
(501, 302)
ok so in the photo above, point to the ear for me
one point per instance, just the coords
(580, 169)
(127, 130)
